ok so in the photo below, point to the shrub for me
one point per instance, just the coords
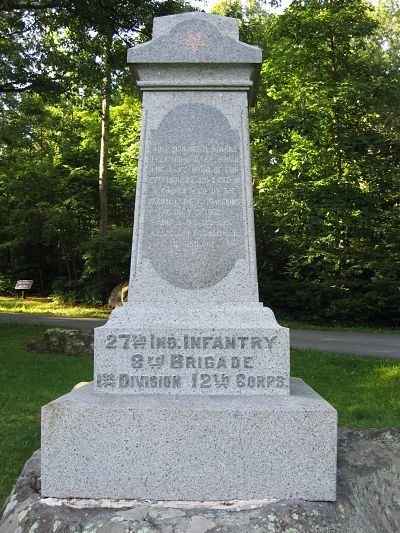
(107, 263)
(6, 285)
(355, 302)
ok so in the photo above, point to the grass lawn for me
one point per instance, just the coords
(28, 381)
(365, 390)
(47, 306)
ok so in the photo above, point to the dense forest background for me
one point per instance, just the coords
(325, 150)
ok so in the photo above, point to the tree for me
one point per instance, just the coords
(78, 43)
(108, 27)
(26, 50)
(72, 54)
(326, 165)
(48, 183)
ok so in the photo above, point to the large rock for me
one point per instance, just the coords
(64, 341)
(118, 296)
(368, 502)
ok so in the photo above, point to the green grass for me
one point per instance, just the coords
(48, 306)
(363, 389)
(28, 381)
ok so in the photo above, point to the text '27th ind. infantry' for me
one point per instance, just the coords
(188, 342)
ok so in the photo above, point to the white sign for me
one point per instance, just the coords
(24, 284)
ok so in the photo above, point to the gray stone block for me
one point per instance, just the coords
(65, 341)
(225, 25)
(368, 498)
(189, 448)
(194, 227)
(193, 272)
(131, 359)
(205, 349)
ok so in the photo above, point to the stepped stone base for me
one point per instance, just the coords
(367, 502)
(189, 447)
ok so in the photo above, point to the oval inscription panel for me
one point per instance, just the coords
(193, 233)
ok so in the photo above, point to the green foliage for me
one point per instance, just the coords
(48, 185)
(325, 148)
(228, 8)
(47, 189)
(6, 285)
(107, 260)
(51, 86)
(26, 48)
(326, 152)
(346, 302)
(50, 46)
(106, 263)
(124, 153)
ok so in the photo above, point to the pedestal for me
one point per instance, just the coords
(164, 447)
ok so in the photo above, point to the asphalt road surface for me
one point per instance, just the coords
(378, 344)
(385, 345)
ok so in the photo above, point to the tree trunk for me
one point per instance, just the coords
(105, 137)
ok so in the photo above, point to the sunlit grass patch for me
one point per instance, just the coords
(364, 390)
(49, 306)
(390, 374)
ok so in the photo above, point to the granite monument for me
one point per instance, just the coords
(192, 397)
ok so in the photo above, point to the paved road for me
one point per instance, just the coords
(384, 345)
(55, 321)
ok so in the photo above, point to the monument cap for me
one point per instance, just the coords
(195, 38)
(196, 51)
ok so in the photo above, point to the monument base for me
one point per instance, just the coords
(189, 448)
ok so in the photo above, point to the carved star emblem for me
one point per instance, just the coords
(194, 40)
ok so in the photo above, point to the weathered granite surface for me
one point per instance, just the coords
(367, 502)
(169, 448)
(188, 357)
(63, 341)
